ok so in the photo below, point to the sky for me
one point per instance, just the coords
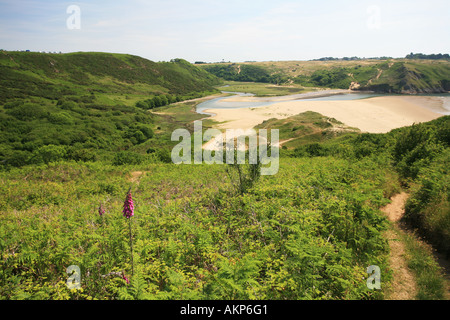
(228, 30)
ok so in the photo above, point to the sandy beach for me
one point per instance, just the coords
(313, 94)
(374, 115)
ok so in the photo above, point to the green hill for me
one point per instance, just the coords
(308, 232)
(389, 76)
(74, 140)
(82, 106)
(111, 76)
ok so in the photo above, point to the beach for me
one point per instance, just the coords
(373, 115)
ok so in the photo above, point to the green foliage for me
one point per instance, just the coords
(437, 56)
(127, 157)
(31, 132)
(53, 76)
(28, 111)
(49, 153)
(428, 208)
(164, 100)
(382, 75)
(244, 72)
(243, 176)
(428, 274)
(308, 232)
(415, 147)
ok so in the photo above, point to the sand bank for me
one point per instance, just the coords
(374, 115)
(308, 95)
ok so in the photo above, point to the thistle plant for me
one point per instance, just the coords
(128, 212)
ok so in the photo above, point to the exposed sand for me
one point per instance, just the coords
(313, 94)
(374, 115)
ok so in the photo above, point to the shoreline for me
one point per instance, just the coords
(373, 115)
(299, 96)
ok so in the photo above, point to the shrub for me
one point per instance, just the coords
(28, 111)
(49, 153)
(127, 157)
(415, 147)
(164, 155)
(428, 207)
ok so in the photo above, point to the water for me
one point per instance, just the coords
(218, 103)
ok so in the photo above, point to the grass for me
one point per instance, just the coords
(296, 68)
(263, 89)
(306, 127)
(30, 74)
(428, 274)
(392, 75)
(308, 232)
(194, 238)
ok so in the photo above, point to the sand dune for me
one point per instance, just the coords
(374, 115)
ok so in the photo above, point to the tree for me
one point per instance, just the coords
(158, 102)
(142, 105)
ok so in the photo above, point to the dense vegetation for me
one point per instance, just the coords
(434, 56)
(387, 76)
(419, 155)
(396, 77)
(199, 231)
(437, 56)
(105, 75)
(307, 233)
(244, 72)
(87, 106)
(349, 58)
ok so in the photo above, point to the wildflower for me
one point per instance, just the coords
(128, 206)
(126, 279)
(101, 210)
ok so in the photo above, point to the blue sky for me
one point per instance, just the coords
(212, 30)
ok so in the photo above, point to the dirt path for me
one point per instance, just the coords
(403, 285)
(135, 176)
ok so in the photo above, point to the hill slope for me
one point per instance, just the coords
(52, 76)
(82, 106)
(393, 75)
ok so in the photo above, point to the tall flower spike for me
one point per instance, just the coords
(101, 210)
(128, 206)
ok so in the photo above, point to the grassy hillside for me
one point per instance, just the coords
(393, 75)
(308, 232)
(260, 89)
(82, 106)
(113, 78)
(306, 128)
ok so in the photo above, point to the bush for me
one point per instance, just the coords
(49, 153)
(415, 147)
(60, 118)
(428, 207)
(81, 154)
(28, 111)
(142, 105)
(127, 157)
(147, 131)
(16, 158)
(316, 150)
(164, 155)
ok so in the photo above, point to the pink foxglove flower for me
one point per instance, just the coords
(128, 206)
(126, 279)
(101, 210)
